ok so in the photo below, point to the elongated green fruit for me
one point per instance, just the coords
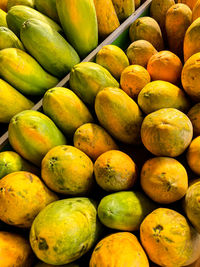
(47, 7)
(79, 22)
(11, 3)
(53, 52)
(17, 15)
(24, 73)
(9, 39)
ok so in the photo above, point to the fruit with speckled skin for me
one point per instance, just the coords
(193, 155)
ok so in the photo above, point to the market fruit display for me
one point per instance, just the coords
(124, 8)
(47, 7)
(9, 39)
(11, 3)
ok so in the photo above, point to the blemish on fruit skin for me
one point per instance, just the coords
(42, 245)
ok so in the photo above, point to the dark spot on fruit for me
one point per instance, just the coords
(10, 189)
(168, 186)
(83, 249)
(30, 177)
(158, 228)
(97, 248)
(168, 239)
(55, 249)
(42, 244)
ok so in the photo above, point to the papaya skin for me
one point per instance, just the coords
(66, 109)
(127, 248)
(12, 102)
(32, 134)
(196, 11)
(194, 116)
(24, 72)
(47, 7)
(93, 140)
(11, 3)
(119, 115)
(9, 39)
(3, 22)
(124, 8)
(3, 5)
(15, 250)
(42, 264)
(67, 170)
(190, 3)
(19, 189)
(193, 155)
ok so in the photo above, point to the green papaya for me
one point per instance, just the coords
(124, 8)
(17, 15)
(47, 7)
(9, 39)
(79, 21)
(87, 78)
(3, 18)
(24, 72)
(12, 162)
(12, 102)
(54, 53)
(32, 134)
(11, 3)
(65, 109)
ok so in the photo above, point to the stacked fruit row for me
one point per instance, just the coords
(53, 49)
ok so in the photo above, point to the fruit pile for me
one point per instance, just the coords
(108, 174)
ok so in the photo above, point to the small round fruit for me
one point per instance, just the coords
(194, 116)
(166, 132)
(115, 171)
(193, 155)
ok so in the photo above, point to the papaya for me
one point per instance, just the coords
(77, 217)
(191, 42)
(115, 171)
(65, 109)
(137, 3)
(67, 170)
(106, 17)
(119, 249)
(161, 61)
(79, 21)
(133, 79)
(3, 22)
(178, 19)
(12, 102)
(193, 155)
(164, 179)
(93, 140)
(124, 210)
(42, 264)
(139, 52)
(158, 12)
(196, 11)
(161, 94)
(147, 28)
(23, 195)
(24, 72)
(10, 162)
(47, 7)
(88, 78)
(15, 250)
(124, 8)
(3, 5)
(191, 204)
(168, 239)
(17, 15)
(190, 3)
(113, 59)
(9, 39)
(11, 3)
(54, 53)
(119, 115)
(166, 132)
(190, 77)
(194, 116)
(32, 134)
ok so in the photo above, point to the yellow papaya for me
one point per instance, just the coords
(137, 3)
(12, 102)
(190, 3)
(47, 7)
(11, 3)
(194, 116)
(193, 155)
(106, 17)
(3, 22)
(196, 11)
(124, 8)
(9, 39)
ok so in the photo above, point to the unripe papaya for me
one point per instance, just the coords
(79, 21)
(65, 109)
(11, 3)
(9, 39)
(12, 102)
(17, 15)
(47, 7)
(32, 134)
(24, 73)
(124, 8)
(87, 78)
(54, 53)
(3, 18)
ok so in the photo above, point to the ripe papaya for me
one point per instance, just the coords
(196, 11)
(119, 115)
(17, 15)
(65, 109)
(32, 134)
(75, 230)
(190, 3)
(3, 21)
(88, 78)
(194, 116)
(3, 5)
(48, 7)
(106, 17)
(11, 3)
(79, 21)
(124, 8)
(9, 39)
(54, 53)
(24, 72)
(12, 102)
